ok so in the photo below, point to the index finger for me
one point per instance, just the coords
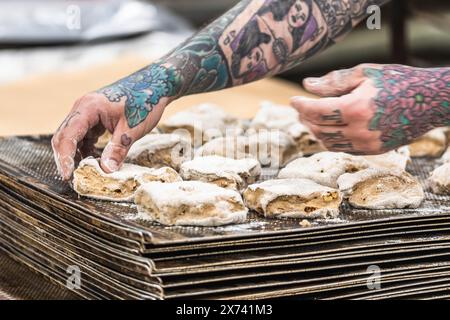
(65, 142)
(323, 111)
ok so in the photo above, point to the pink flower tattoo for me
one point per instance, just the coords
(410, 102)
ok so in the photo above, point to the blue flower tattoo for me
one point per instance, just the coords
(142, 91)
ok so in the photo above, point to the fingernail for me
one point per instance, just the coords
(67, 166)
(111, 164)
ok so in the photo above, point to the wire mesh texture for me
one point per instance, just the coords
(32, 161)
(47, 227)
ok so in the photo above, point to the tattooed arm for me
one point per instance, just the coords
(255, 39)
(371, 109)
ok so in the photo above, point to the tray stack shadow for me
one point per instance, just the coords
(363, 254)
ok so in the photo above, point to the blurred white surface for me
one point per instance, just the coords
(42, 22)
(19, 63)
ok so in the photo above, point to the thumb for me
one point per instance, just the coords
(116, 150)
(335, 83)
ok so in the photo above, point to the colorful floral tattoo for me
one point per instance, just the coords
(143, 90)
(410, 102)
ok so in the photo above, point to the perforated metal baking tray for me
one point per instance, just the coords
(27, 166)
(47, 226)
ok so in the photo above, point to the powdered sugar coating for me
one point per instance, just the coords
(127, 171)
(439, 179)
(268, 147)
(323, 168)
(409, 195)
(446, 156)
(208, 119)
(221, 167)
(304, 188)
(297, 130)
(171, 196)
(431, 144)
(272, 116)
(392, 159)
(154, 142)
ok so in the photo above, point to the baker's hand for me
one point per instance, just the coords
(129, 109)
(372, 109)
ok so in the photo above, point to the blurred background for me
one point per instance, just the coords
(54, 51)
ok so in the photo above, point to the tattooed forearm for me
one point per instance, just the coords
(254, 39)
(410, 102)
(143, 90)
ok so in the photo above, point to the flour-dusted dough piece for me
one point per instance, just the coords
(439, 179)
(432, 144)
(103, 140)
(446, 156)
(293, 198)
(190, 203)
(160, 150)
(229, 147)
(91, 181)
(324, 167)
(393, 159)
(271, 116)
(271, 148)
(306, 142)
(202, 123)
(376, 188)
(224, 172)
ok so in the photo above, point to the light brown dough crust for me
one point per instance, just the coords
(190, 203)
(293, 198)
(90, 180)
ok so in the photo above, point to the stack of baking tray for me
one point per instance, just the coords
(363, 254)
